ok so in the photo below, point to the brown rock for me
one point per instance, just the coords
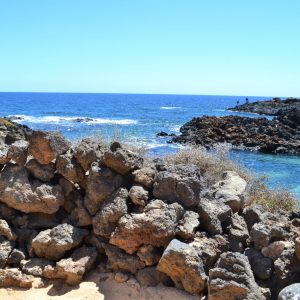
(182, 263)
(151, 277)
(5, 249)
(36, 266)
(14, 278)
(6, 231)
(149, 254)
(155, 226)
(18, 152)
(187, 225)
(121, 277)
(42, 172)
(54, 243)
(19, 193)
(138, 195)
(46, 146)
(145, 176)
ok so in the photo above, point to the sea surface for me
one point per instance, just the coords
(137, 118)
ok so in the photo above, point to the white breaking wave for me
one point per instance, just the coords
(59, 120)
(170, 107)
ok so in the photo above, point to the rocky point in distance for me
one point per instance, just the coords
(65, 210)
(279, 135)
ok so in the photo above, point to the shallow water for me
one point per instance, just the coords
(138, 118)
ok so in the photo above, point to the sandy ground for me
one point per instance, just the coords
(96, 287)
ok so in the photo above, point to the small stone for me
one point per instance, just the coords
(291, 292)
(15, 257)
(274, 249)
(6, 231)
(138, 195)
(121, 277)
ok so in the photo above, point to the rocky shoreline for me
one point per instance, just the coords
(66, 210)
(274, 107)
(280, 135)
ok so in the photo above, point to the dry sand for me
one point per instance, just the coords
(96, 286)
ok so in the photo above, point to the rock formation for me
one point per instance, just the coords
(64, 210)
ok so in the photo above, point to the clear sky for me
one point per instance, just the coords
(228, 47)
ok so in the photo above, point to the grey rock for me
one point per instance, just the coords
(101, 183)
(54, 243)
(261, 266)
(15, 257)
(18, 152)
(121, 160)
(6, 231)
(291, 292)
(187, 225)
(36, 266)
(181, 262)
(180, 183)
(6, 247)
(46, 146)
(155, 226)
(252, 215)
(106, 220)
(150, 277)
(232, 278)
(118, 260)
(14, 278)
(213, 214)
(145, 176)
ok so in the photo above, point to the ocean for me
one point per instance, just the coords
(137, 118)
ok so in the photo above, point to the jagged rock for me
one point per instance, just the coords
(73, 268)
(106, 220)
(138, 195)
(286, 271)
(180, 183)
(181, 262)
(262, 234)
(290, 292)
(232, 278)
(4, 153)
(230, 190)
(274, 249)
(213, 214)
(46, 146)
(297, 247)
(42, 172)
(6, 247)
(252, 215)
(121, 277)
(87, 152)
(149, 255)
(155, 226)
(121, 160)
(150, 277)
(19, 193)
(54, 243)
(238, 233)
(145, 176)
(6, 231)
(15, 257)
(68, 167)
(209, 248)
(187, 225)
(18, 152)
(118, 260)
(100, 185)
(78, 216)
(36, 266)
(14, 278)
(261, 266)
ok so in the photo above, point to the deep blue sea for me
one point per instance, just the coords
(138, 118)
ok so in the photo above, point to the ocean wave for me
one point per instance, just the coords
(170, 107)
(61, 120)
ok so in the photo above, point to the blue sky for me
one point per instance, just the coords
(232, 47)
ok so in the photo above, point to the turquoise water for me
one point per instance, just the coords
(138, 118)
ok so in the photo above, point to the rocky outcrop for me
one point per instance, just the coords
(147, 219)
(274, 107)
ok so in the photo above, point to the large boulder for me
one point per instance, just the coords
(181, 262)
(106, 220)
(213, 215)
(73, 268)
(100, 185)
(232, 279)
(230, 190)
(180, 183)
(42, 172)
(155, 226)
(119, 260)
(18, 192)
(14, 278)
(46, 146)
(54, 243)
(122, 160)
(68, 167)
(87, 152)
